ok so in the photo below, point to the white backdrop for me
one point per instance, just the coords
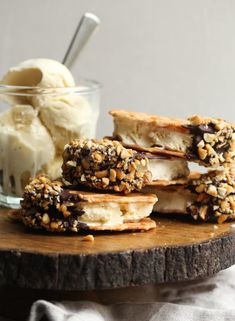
(159, 56)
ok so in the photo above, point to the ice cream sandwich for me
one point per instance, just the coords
(50, 206)
(206, 197)
(208, 141)
(106, 164)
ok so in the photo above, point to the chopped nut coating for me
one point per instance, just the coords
(105, 164)
(47, 205)
(216, 196)
(213, 141)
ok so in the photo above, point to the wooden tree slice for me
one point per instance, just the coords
(176, 250)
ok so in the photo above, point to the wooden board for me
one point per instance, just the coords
(176, 250)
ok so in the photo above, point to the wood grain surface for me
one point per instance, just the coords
(176, 250)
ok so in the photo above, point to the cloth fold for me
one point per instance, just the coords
(88, 311)
(210, 299)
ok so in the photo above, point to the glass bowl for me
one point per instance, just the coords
(35, 125)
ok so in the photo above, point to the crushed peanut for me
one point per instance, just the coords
(88, 238)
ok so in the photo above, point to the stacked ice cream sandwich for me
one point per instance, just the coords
(170, 143)
(113, 184)
(98, 191)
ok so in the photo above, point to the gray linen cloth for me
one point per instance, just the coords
(210, 299)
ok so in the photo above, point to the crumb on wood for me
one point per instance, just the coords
(14, 215)
(88, 238)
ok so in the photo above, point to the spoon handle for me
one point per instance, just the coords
(85, 29)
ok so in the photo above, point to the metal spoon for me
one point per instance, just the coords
(85, 29)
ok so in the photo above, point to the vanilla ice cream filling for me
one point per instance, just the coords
(132, 132)
(172, 199)
(113, 213)
(167, 169)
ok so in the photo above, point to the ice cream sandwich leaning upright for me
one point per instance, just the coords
(98, 191)
(107, 165)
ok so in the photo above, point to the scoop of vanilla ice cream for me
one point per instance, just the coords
(25, 147)
(67, 117)
(66, 114)
(44, 73)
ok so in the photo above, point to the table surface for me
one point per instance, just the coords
(176, 250)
